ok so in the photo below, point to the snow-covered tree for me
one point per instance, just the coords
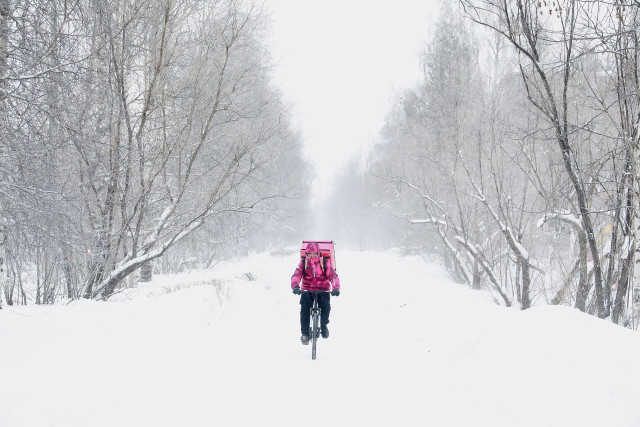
(128, 126)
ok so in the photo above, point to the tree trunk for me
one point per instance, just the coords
(146, 271)
(623, 287)
(587, 225)
(518, 289)
(476, 275)
(526, 284)
(109, 284)
(613, 249)
(584, 282)
(68, 278)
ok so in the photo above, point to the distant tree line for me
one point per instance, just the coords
(133, 131)
(516, 159)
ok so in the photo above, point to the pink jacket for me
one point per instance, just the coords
(314, 277)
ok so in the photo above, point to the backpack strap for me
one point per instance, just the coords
(322, 263)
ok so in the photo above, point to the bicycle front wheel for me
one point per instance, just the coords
(315, 333)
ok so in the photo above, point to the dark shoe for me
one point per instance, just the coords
(304, 339)
(325, 331)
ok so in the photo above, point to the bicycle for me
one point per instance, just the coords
(315, 321)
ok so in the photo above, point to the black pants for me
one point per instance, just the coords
(306, 302)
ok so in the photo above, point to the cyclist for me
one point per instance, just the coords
(317, 274)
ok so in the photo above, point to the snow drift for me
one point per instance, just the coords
(407, 347)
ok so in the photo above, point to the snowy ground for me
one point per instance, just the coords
(407, 347)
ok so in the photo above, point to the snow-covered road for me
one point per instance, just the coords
(407, 347)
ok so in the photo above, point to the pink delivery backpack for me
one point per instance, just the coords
(327, 251)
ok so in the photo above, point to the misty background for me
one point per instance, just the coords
(154, 136)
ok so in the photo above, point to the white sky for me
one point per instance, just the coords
(340, 63)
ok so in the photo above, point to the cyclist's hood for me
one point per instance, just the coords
(312, 248)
